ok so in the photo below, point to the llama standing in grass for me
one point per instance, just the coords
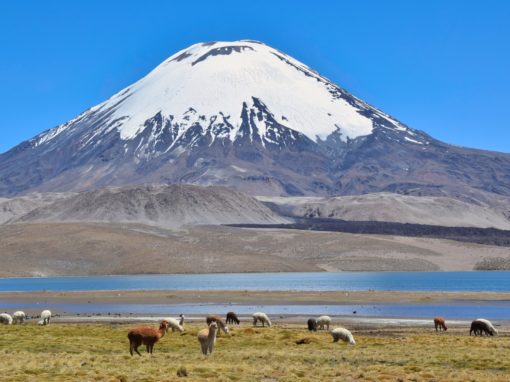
(342, 334)
(232, 318)
(323, 321)
(18, 317)
(261, 317)
(481, 326)
(490, 328)
(207, 338)
(219, 321)
(312, 324)
(45, 317)
(176, 324)
(440, 324)
(5, 319)
(147, 336)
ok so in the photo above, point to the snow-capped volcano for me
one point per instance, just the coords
(212, 84)
(245, 115)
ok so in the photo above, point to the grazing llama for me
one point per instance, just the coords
(207, 338)
(261, 317)
(482, 326)
(323, 321)
(440, 324)
(18, 317)
(45, 317)
(176, 325)
(5, 319)
(342, 334)
(147, 336)
(232, 318)
(214, 318)
(312, 324)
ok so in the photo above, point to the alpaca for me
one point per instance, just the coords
(323, 321)
(221, 325)
(176, 325)
(18, 317)
(262, 317)
(342, 334)
(312, 324)
(440, 324)
(147, 336)
(481, 326)
(490, 328)
(45, 317)
(5, 319)
(207, 338)
(232, 318)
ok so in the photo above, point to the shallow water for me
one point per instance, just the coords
(490, 310)
(313, 281)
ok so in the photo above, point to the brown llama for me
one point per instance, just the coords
(207, 338)
(440, 324)
(215, 318)
(232, 318)
(147, 336)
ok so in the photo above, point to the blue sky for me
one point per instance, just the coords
(439, 66)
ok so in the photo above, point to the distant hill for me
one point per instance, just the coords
(163, 206)
(390, 207)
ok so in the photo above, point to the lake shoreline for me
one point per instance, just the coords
(121, 297)
(364, 322)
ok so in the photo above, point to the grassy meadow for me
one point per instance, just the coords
(100, 352)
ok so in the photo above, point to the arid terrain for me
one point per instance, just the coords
(248, 297)
(47, 249)
(391, 207)
(183, 229)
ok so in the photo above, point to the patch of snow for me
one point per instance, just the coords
(413, 140)
(240, 169)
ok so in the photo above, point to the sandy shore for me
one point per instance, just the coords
(360, 323)
(378, 324)
(28, 250)
(252, 297)
(58, 301)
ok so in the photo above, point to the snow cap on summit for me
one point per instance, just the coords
(216, 80)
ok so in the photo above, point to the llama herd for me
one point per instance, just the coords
(20, 317)
(479, 327)
(207, 336)
(148, 336)
(323, 322)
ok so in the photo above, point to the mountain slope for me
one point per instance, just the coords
(12, 208)
(162, 206)
(391, 207)
(245, 115)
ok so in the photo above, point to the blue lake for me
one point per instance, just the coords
(316, 281)
(490, 310)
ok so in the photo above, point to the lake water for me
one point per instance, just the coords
(315, 281)
(490, 310)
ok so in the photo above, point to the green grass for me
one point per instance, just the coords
(99, 352)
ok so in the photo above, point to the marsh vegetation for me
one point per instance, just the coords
(100, 352)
